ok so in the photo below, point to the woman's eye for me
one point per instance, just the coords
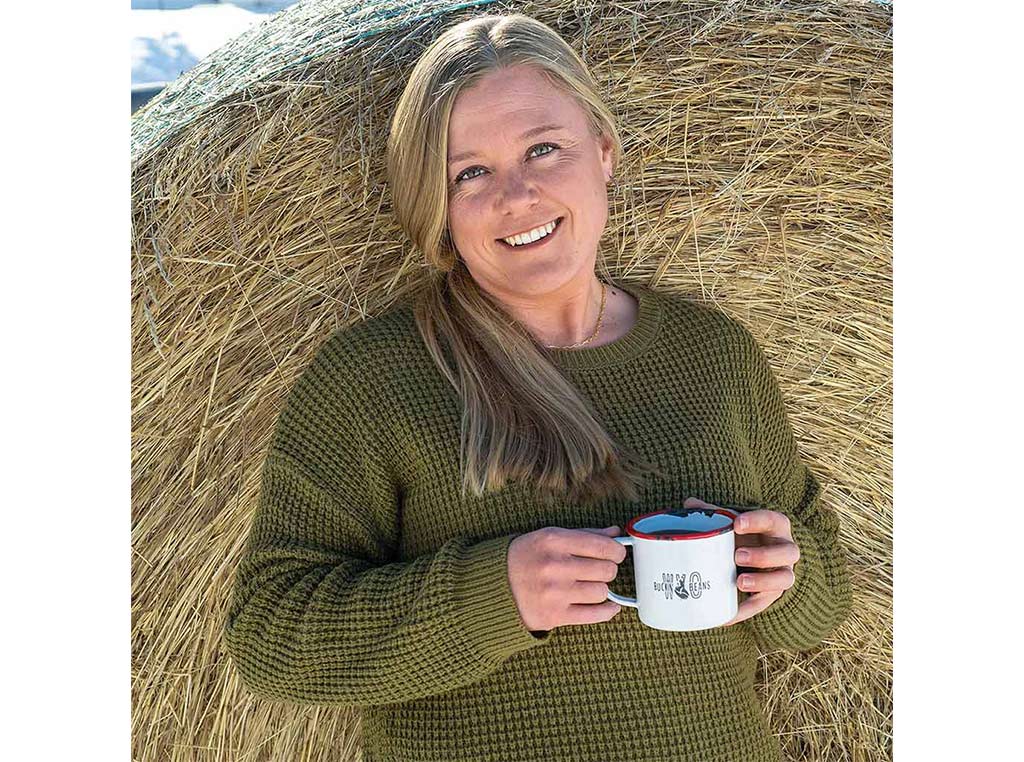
(462, 175)
(552, 146)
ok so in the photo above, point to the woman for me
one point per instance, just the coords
(428, 545)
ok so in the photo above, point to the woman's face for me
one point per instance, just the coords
(518, 178)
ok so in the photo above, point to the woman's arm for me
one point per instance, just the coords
(320, 614)
(820, 598)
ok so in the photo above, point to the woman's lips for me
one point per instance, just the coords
(535, 244)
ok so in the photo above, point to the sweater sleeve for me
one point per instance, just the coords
(820, 598)
(321, 612)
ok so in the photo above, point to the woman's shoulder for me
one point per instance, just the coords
(357, 359)
(697, 318)
(389, 331)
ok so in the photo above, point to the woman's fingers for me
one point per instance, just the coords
(765, 522)
(589, 592)
(768, 556)
(593, 569)
(779, 581)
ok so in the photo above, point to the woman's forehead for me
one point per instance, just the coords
(506, 91)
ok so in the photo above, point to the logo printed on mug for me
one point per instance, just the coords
(677, 583)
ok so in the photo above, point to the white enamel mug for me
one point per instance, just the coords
(684, 567)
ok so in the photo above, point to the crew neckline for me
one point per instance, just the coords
(634, 342)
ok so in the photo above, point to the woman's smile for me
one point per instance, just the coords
(533, 244)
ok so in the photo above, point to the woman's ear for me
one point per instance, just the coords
(607, 154)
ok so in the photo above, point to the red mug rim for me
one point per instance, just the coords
(689, 536)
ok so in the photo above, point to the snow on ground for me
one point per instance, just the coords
(171, 36)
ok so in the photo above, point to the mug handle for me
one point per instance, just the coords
(621, 600)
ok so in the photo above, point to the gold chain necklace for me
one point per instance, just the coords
(600, 318)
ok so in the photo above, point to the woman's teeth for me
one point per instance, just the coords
(532, 235)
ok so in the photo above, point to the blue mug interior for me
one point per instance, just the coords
(686, 521)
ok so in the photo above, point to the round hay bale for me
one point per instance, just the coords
(757, 175)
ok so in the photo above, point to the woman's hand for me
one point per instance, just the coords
(560, 576)
(767, 539)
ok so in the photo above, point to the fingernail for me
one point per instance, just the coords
(747, 582)
(741, 523)
(742, 555)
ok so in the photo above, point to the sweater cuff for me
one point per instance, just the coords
(486, 611)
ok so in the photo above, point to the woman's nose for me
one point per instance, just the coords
(516, 187)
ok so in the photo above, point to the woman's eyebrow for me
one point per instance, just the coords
(528, 134)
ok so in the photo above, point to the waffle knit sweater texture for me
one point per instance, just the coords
(369, 582)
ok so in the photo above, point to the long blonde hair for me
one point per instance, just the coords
(522, 419)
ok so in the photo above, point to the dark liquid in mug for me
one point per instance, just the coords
(676, 531)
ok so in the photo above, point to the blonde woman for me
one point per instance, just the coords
(433, 542)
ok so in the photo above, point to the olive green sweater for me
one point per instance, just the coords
(368, 581)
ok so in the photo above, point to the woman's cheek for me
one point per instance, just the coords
(457, 203)
(463, 214)
(465, 206)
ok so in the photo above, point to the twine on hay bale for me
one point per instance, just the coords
(757, 175)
